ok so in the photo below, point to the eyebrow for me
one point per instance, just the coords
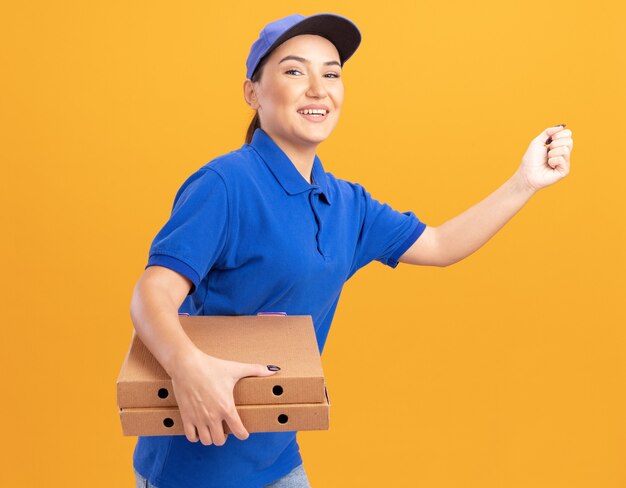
(303, 60)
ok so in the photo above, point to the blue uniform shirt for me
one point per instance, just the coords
(253, 235)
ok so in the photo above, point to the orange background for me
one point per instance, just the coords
(504, 370)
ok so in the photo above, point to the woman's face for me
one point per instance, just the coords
(303, 72)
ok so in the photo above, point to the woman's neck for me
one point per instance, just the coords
(302, 157)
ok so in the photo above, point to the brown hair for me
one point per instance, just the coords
(255, 123)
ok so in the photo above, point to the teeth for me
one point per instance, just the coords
(310, 111)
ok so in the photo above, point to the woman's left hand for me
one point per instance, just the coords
(543, 165)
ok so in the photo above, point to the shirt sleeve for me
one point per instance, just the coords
(193, 238)
(386, 234)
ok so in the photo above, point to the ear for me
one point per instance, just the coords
(249, 94)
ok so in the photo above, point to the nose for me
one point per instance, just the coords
(316, 87)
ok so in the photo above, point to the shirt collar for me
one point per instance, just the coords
(284, 170)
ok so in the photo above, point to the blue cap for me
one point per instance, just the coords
(337, 29)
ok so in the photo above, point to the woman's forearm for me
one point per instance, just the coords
(462, 235)
(546, 161)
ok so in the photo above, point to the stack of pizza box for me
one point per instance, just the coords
(294, 398)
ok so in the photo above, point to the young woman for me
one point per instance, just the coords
(266, 228)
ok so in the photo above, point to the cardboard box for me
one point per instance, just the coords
(286, 341)
(295, 398)
(255, 418)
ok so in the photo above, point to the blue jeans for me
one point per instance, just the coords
(296, 478)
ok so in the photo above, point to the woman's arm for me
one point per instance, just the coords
(157, 296)
(460, 236)
(202, 384)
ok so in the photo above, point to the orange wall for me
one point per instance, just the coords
(504, 370)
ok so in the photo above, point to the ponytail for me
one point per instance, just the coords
(254, 125)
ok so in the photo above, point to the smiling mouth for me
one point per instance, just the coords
(314, 112)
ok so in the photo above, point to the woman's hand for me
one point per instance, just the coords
(541, 166)
(203, 386)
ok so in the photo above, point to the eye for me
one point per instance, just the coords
(290, 71)
(334, 75)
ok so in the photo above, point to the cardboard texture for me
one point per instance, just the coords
(295, 398)
(286, 341)
(255, 418)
